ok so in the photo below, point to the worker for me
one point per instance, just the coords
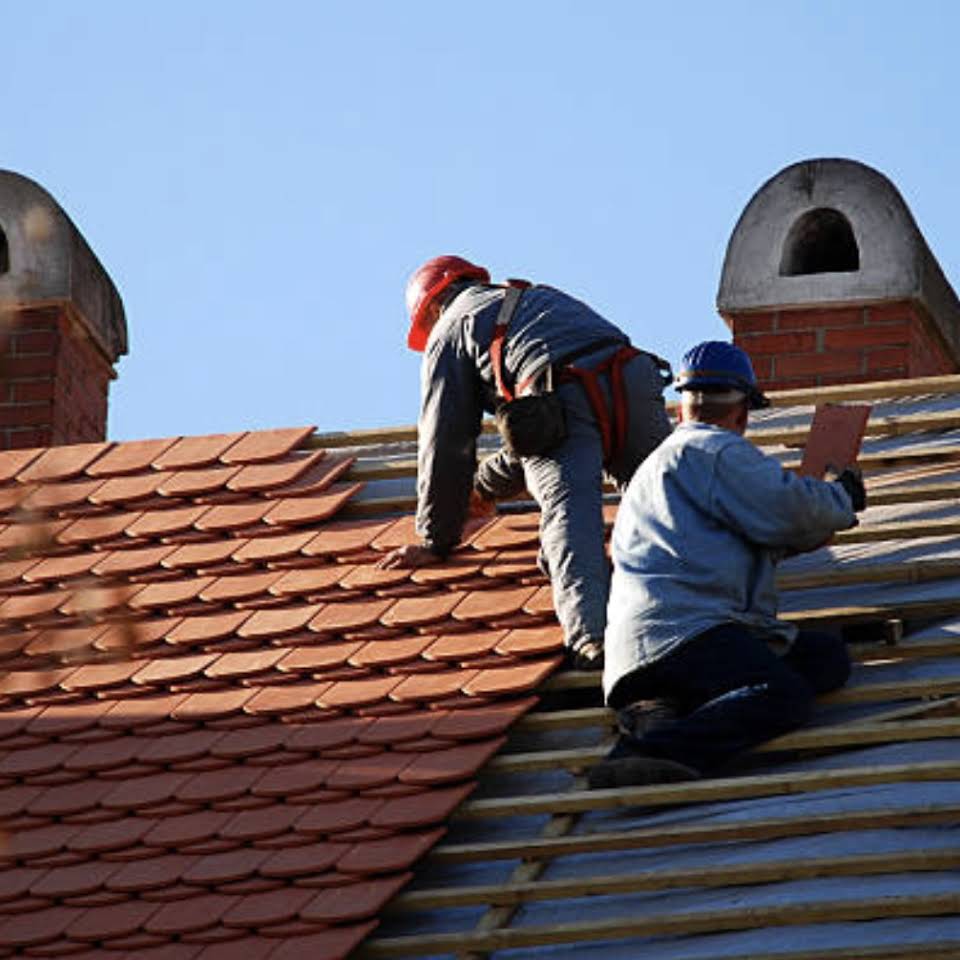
(572, 398)
(698, 666)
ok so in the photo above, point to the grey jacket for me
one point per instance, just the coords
(457, 385)
(697, 537)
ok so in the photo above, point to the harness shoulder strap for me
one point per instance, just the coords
(510, 300)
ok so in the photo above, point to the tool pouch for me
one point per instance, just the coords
(532, 426)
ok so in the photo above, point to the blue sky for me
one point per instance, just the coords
(259, 178)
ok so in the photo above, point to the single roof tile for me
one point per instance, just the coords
(331, 733)
(232, 516)
(421, 809)
(271, 547)
(178, 747)
(251, 741)
(290, 779)
(94, 602)
(496, 681)
(303, 860)
(448, 766)
(525, 641)
(364, 772)
(78, 797)
(260, 824)
(57, 568)
(349, 615)
(187, 916)
(25, 683)
(509, 531)
(123, 490)
(120, 920)
(109, 835)
(170, 670)
(425, 687)
(64, 643)
(169, 593)
(457, 567)
(135, 636)
(510, 564)
(240, 665)
(37, 926)
(540, 603)
(82, 878)
(60, 496)
(319, 477)
(101, 676)
(465, 645)
(141, 711)
(337, 816)
(398, 533)
(259, 910)
(418, 611)
(163, 523)
(343, 537)
(190, 452)
(387, 652)
(13, 462)
(103, 528)
(240, 587)
(367, 577)
(471, 723)
(30, 607)
(272, 623)
(257, 478)
(296, 511)
(128, 562)
(13, 571)
(15, 882)
(353, 693)
(196, 482)
(258, 446)
(193, 556)
(60, 720)
(133, 456)
(286, 698)
(316, 658)
(105, 755)
(219, 785)
(178, 832)
(224, 867)
(406, 726)
(493, 603)
(145, 791)
(62, 463)
(207, 628)
(212, 705)
(390, 854)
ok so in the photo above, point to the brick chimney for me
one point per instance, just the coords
(827, 279)
(62, 325)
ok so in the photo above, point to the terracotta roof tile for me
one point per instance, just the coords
(392, 853)
(540, 603)
(93, 602)
(319, 477)
(524, 641)
(219, 785)
(457, 567)
(272, 623)
(464, 645)
(191, 452)
(513, 563)
(421, 809)
(131, 561)
(337, 816)
(189, 915)
(105, 755)
(426, 687)
(196, 630)
(59, 568)
(342, 537)
(193, 556)
(354, 693)
(110, 835)
(298, 861)
(387, 652)
(13, 462)
(262, 445)
(231, 516)
(349, 615)
(161, 523)
(170, 593)
(179, 832)
(333, 944)
(396, 729)
(296, 511)
(272, 546)
(60, 496)
(284, 699)
(508, 532)
(39, 926)
(62, 463)
(122, 490)
(31, 606)
(267, 909)
(418, 611)
(63, 643)
(135, 636)
(178, 747)
(132, 456)
(213, 705)
(449, 766)
(494, 681)
(266, 476)
(239, 587)
(27, 682)
(381, 768)
(60, 720)
(170, 670)
(120, 920)
(396, 534)
(368, 578)
(240, 665)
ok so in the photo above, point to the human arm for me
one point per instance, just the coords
(499, 475)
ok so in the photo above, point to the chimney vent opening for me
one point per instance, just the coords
(820, 241)
(4, 253)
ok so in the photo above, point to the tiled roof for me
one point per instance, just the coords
(227, 734)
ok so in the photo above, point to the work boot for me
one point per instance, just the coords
(638, 771)
(588, 656)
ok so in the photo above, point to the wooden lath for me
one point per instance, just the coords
(699, 922)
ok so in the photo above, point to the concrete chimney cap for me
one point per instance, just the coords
(890, 257)
(46, 260)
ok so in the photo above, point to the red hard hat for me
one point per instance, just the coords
(426, 283)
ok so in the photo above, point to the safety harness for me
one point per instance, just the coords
(613, 420)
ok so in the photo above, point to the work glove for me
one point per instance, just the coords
(851, 479)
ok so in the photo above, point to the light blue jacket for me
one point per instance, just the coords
(697, 537)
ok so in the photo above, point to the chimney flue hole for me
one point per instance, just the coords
(820, 241)
(4, 253)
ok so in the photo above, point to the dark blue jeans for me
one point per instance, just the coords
(728, 692)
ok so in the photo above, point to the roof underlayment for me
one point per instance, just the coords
(225, 733)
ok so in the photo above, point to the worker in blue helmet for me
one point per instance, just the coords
(692, 625)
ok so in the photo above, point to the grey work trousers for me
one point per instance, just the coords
(568, 486)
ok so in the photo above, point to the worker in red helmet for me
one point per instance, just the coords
(573, 400)
(693, 623)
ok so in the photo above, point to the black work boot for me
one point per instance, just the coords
(638, 771)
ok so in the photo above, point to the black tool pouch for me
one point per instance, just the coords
(532, 426)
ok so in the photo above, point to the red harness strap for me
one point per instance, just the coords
(612, 421)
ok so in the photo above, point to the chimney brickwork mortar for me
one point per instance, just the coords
(62, 325)
(828, 280)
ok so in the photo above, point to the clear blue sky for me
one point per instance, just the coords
(260, 177)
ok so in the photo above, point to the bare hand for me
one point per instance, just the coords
(409, 556)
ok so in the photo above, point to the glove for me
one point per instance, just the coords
(852, 481)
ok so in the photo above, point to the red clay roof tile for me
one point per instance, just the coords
(524, 641)
(261, 445)
(426, 687)
(109, 835)
(186, 916)
(60, 496)
(141, 711)
(208, 628)
(131, 456)
(267, 909)
(162, 523)
(64, 643)
(354, 693)
(22, 683)
(493, 603)
(13, 462)
(342, 537)
(103, 528)
(58, 568)
(418, 611)
(448, 766)
(296, 511)
(37, 926)
(495, 681)
(303, 860)
(60, 720)
(62, 463)
(333, 944)
(368, 578)
(406, 726)
(213, 705)
(421, 809)
(396, 852)
(178, 747)
(387, 652)
(268, 821)
(190, 452)
(349, 615)
(464, 646)
(121, 920)
(458, 567)
(336, 816)
(240, 665)
(170, 670)
(315, 658)
(319, 477)
(224, 867)
(30, 607)
(364, 772)
(284, 699)
(239, 587)
(132, 561)
(193, 556)
(271, 546)
(219, 785)
(541, 603)
(123, 490)
(273, 623)
(135, 636)
(179, 832)
(232, 516)
(266, 476)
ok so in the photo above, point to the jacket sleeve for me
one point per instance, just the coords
(450, 416)
(773, 507)
(500, 475)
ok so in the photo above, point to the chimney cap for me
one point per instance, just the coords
(47, 260)
(833, 204)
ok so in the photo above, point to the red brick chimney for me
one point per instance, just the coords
(827, 279)
(62, 325)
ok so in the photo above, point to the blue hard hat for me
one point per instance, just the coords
(718, 365)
